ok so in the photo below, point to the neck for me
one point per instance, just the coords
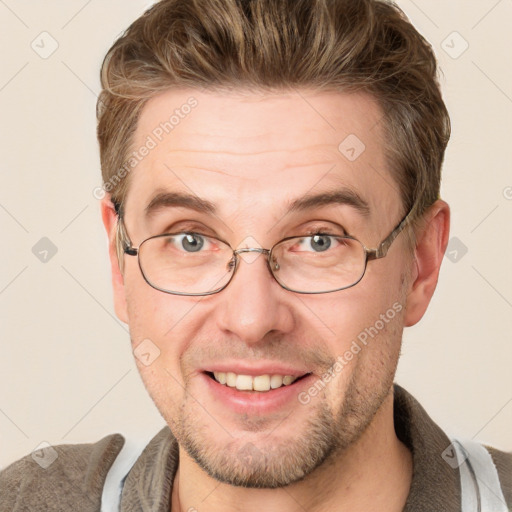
(373, 474)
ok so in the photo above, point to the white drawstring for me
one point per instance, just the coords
(126, 458)
(479, 480)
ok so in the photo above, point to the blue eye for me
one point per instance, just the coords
(187, 242)
(192, 242)
(320, 243)
(316, 243)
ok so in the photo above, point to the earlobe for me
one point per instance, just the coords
(432, 239)
(109, 217)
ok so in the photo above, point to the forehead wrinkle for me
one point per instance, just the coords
(316, 149)
(180, 159)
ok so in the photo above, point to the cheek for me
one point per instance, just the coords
(157, 347)
(366, 353)
(165, 387)
(343, 316)
(152, 313)
(163, 326)
(362, 328)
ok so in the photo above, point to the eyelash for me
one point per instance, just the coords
(324, 230)
(188, 228)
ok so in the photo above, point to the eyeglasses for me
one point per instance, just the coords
(192, 263)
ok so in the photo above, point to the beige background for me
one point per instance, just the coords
(66, 368)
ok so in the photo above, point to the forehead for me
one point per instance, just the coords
(252, 150)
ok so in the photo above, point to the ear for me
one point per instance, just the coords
(431, 242)
(109, 216)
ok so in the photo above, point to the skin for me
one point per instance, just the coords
(252, 154)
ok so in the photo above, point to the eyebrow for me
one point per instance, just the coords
(176, 200)
(342, 196)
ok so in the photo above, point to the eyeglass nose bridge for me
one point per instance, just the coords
(259, 250)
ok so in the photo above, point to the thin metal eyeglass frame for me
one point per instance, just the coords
(370, 254)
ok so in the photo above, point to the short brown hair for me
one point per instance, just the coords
(340, 45)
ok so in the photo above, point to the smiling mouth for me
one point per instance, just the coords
(259, 383)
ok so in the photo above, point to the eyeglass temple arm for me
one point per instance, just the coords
(130, 250)
(371, 254)
(382, 249)
(124, 239)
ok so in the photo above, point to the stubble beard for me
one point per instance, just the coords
(270, 463)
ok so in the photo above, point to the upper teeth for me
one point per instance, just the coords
(249, 383)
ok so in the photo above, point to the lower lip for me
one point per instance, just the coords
(257, 402)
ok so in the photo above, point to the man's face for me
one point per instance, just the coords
(251, 156)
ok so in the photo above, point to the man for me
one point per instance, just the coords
(272, 170)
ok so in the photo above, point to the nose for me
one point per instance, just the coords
(254, 305)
